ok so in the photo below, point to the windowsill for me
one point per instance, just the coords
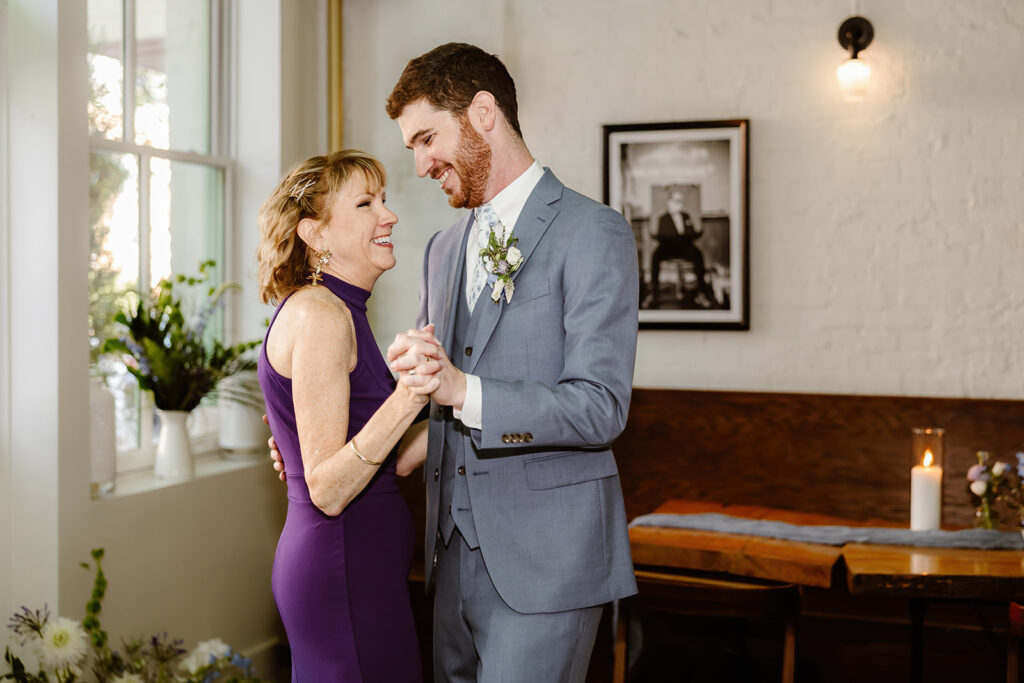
(207, 464)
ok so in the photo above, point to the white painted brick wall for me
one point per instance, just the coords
(887, 236)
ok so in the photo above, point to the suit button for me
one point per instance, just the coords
(462, 470)
(528, 437)
(506, 438)
(437, 473)
(435, 558)
(517, 438)
(469, 350)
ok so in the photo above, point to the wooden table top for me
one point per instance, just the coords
(861, 568)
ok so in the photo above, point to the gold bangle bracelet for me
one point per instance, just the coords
(359, 455)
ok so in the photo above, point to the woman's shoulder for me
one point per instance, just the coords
(314, 319)
(314, 306)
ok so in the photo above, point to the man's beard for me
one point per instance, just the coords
(473, 166)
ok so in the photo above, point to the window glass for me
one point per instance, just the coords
(172, 74)
(186, 217)
(114, 273)
(106, 68)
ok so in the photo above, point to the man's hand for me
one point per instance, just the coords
(275, 454)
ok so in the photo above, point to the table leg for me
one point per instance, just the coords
(918, 607)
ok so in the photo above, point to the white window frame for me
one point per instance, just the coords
(222, 70)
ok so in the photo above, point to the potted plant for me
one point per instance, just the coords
(172, 356)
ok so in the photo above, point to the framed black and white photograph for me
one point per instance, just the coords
(683, 189)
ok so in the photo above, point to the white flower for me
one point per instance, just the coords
(979, 487)
(64, 643)
(514, 257)
(499, 285)
(509, 288)
(200, 657)
(127, 678)
(999, 468)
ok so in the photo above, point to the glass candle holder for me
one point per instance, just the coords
(926, 455)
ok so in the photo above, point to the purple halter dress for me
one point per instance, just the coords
(341, 583)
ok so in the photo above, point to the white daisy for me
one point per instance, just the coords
(64, 643)
(215, 648)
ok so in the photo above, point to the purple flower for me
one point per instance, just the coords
(502, 267)
(974, 472)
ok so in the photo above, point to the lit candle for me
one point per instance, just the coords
(925, 495)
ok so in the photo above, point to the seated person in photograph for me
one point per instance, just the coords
(676, 238)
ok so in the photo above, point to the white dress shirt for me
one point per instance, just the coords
(508, 204)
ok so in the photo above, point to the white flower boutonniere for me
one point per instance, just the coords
(501, 258)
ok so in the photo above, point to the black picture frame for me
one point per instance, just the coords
(683, 187)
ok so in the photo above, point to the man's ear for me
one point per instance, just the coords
(309, 232)
(483, 111)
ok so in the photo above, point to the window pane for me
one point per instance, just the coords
(113, 273)
(186, 218)
(172, 108)
(106, 68)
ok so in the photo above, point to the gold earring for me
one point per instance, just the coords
(321, 260)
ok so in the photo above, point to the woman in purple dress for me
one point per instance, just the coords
(342, 563)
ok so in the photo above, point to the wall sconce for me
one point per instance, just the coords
(855, 34)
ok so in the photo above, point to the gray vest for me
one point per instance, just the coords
(455, 508)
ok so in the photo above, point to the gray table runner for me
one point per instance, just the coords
(988, 539)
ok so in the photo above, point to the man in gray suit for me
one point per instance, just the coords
(535, 342)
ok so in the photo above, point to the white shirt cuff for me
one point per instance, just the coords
(472, 408)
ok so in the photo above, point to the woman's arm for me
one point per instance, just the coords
(323, 353)
(412, 450)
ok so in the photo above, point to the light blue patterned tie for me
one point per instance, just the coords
(486, 220)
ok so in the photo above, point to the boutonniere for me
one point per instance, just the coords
(501, 258)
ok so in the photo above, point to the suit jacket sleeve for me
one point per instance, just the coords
(588, 405)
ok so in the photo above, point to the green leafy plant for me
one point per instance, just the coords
(172, 356)
(69, 652)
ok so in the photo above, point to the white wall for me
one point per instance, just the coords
(5, 358)
(192, 559)
(885, 236)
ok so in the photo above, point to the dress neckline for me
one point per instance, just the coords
(346, 291)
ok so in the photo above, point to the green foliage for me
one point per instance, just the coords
(158, 659)
(174, 359)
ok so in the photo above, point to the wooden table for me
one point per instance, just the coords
(894, 571)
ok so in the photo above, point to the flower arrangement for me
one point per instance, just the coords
(502, 258)
(69, 651)
(998, 487)
(171, 356)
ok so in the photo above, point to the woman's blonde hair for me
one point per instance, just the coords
(307, 191)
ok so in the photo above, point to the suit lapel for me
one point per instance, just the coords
(533, 222)
(454, 274)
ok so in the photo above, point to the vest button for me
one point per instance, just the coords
(469, 350)
(462, 470)
(437, 473)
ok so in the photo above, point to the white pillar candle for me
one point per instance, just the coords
(925, 498)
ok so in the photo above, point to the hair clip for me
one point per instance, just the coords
(297, 192)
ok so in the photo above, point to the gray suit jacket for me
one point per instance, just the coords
(556, 369)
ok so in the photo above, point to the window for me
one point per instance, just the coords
(159, 170)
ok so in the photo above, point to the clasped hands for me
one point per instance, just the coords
(420, 361)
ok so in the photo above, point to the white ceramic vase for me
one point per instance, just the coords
(173, 448)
